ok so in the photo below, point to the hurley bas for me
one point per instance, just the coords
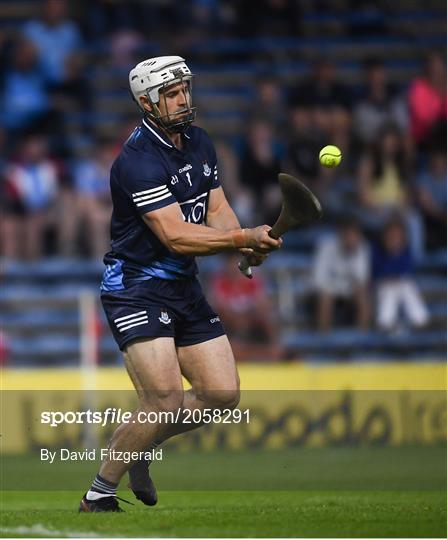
(65, 454)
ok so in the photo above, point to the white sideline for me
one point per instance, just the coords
(41, 531)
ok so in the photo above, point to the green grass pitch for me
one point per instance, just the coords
(355, 492)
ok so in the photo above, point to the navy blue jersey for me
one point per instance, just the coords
(151, 173)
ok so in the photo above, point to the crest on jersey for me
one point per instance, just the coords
(164, 317)
(206, 169)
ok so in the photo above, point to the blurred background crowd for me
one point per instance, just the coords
(276, 80)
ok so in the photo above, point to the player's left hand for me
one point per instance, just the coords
(254, 258)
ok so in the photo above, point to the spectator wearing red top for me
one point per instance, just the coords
(4, 349)
(246, 312)
(428, 100)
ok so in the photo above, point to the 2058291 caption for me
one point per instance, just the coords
(215, 416)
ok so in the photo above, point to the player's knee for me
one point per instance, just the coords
(222, 399)
(165, 401)
(232, 399)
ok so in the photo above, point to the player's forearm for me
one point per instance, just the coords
(194, 239)
(224, 219)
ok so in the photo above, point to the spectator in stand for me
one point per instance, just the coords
(246, 312)
(428, 101)
(3, 159)
(237, 194)
(320, 115)
(332, 186)
(260, 165)
(92, 205)
(269, 101)
(124, 45)
(379, 105)
(74, 93)
(55, 37)
(4, 348)
(30, 191)
(393, 267)
(341, 274)
(4, 202)
(24, 97)
(321, 90)
(305, 144)
(71, 98)
(384, 182)
(431, 189)
(337, 187)
(383, 174)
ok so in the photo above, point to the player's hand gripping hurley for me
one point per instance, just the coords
(299, 207)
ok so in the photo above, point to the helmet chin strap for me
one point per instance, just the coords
(171, 126)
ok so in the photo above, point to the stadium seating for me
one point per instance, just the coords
(40, 312)
(40, 301)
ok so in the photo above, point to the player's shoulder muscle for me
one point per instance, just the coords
(143, 178)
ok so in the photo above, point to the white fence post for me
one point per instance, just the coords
(89, 349)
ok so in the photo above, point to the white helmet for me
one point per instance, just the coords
(150, 76)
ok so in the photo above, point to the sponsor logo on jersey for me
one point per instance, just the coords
(215, 320)
(187, 167)
(164, 317)
(194, 210)
(206, 169)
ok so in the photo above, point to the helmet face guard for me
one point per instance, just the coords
(178, 121)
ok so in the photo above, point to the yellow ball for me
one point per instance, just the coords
(330, 156)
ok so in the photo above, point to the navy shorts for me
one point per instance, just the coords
(161, 308)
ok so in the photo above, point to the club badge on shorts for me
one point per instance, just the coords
(164, 317)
